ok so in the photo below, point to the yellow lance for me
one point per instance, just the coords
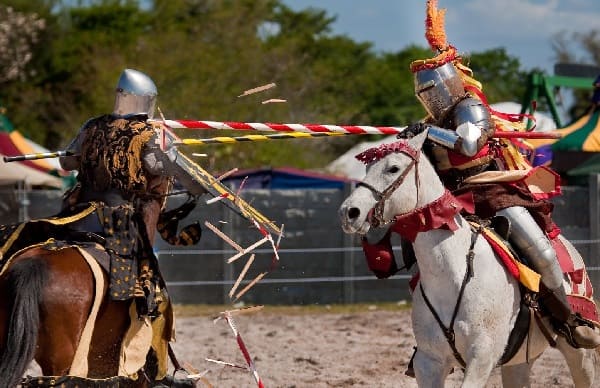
(216, 189)
(250, 138)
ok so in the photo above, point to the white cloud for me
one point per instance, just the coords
(525, 19)
(524, 27)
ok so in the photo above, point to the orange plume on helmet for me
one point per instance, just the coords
(435, 33)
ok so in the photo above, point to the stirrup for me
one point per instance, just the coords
(574, 337)
(565, 331)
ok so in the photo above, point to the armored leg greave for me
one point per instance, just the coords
(531, 241)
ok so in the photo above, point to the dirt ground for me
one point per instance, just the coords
(366, 346)
(369, 347)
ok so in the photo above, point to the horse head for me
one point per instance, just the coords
(395, 183)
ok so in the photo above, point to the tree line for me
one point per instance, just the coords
(59, 62)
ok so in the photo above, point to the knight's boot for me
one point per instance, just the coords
(576, 331)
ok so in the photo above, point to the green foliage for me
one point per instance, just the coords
(202, 54)
(500, 75)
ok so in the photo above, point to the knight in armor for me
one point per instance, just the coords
(460, 132)
(125, 175)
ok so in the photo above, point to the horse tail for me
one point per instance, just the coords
(25, 280)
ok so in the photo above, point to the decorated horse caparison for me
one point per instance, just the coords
(470, 304)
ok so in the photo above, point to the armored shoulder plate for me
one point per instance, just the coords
(474, 111)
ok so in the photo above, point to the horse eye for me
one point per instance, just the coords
(393, 169)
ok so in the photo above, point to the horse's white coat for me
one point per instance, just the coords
(491, 299)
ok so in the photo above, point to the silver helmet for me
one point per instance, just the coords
(439, 89)
(136, 94)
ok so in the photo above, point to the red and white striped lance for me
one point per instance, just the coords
(274, 127)
(324, 128)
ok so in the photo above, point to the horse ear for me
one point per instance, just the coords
(417, 141)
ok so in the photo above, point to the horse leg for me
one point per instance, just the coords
(581, 363)
(480, 361)
(430, 371)
(517, 375)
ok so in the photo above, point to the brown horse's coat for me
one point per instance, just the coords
(43, 319)
(64, 307)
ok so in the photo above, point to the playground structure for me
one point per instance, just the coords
(580, 139)
(541, 87)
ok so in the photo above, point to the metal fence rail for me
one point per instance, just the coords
(319, 263)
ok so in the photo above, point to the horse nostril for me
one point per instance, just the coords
(353, 212)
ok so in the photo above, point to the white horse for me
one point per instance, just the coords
(478, 312)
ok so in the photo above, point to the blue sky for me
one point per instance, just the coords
(524, 27)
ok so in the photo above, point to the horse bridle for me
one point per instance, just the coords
(376, 214)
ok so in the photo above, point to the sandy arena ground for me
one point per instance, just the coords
(366, 346)
(369, 347)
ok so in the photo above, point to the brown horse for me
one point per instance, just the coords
(47, 297)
